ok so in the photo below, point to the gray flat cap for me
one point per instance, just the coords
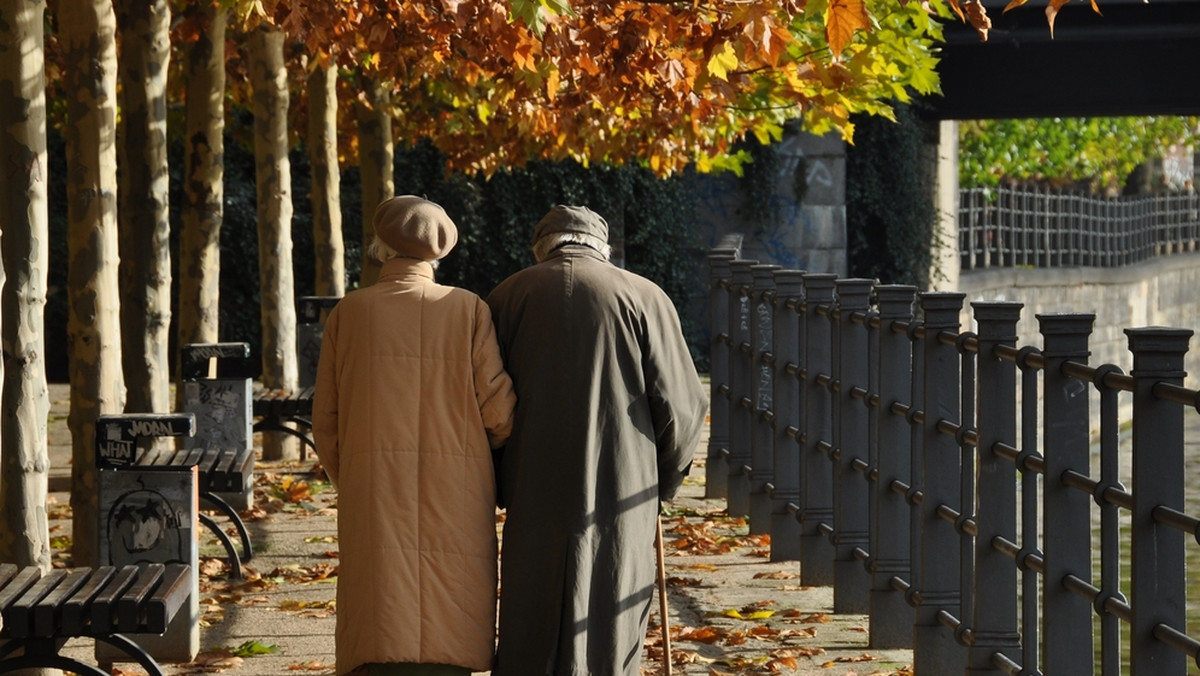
(563, 218)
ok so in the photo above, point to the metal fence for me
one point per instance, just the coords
(882, 447)
(1040, 227)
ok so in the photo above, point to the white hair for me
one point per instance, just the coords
(548, 243)
(380, 252)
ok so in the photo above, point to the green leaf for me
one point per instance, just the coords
(253, 648)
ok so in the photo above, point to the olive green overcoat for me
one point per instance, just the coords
(610, 409)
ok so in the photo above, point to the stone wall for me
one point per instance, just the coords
(808, 235)
(1158, 292)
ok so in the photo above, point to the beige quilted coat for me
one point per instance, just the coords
(411, 397)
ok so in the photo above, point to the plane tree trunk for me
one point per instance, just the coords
(326, 179)
(24, 211)
(376, 152)
(280, 367)
(143, 224)
(87, 33)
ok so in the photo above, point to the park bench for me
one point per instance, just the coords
(43, 610)
(286, 412)
(291, 412)
(311, 313)
(219, 470)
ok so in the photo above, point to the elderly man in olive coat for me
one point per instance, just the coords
(610, 409)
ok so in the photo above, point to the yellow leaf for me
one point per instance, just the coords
(721, 63)
(552, 84)
(484, 110)
(842, 20)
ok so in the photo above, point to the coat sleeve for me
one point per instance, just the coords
(325, 400)
(493, 387)
(677, 400)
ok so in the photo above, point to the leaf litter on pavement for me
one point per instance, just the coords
(760, 637)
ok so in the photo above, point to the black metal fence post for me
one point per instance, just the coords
(1158, 590)
(816, 489)
(891, 615)
(1066, 512)
(762, 441)
(740, 403)
(851, 523)
(994, 624)
(785, 530)
(936, 650)
(716, 468)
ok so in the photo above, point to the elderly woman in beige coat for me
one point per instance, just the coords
(411, 398)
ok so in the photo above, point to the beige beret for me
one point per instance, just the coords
(415, 227)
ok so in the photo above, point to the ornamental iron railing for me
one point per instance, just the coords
(946, 482)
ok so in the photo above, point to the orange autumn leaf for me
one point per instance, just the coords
(843, 19)
(707, 635)
(1052, 12)
(977, 16)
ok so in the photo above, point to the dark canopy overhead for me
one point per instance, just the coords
(1137, 58)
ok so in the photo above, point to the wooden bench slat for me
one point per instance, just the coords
(7, 572)
(208, 464)
(48, 612)
(17, 584)
(103, 611)
(241, 472)
(76, 609)
(155, 457)
(168, 597)
(18, 617)
(129, 606)
(224, 467)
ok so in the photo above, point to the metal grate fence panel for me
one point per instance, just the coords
(1042, 227)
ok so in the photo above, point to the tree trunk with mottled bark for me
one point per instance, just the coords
(375, 163)
(280, 367)
(203, 182)
(145, 271)
(87, 33)
(326, 190)
(24, 212)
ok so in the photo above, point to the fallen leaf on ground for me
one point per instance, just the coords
(777, 575)
(311, 665)
(851, 658)
(217, 660)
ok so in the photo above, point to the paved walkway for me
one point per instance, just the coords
(732, 611)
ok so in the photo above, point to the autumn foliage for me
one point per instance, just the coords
(495, 83)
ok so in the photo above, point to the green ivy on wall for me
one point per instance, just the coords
(890, 214)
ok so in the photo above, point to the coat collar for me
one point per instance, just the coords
(575, 251)
(405, 269)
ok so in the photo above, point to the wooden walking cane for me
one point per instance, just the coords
(662, 600)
